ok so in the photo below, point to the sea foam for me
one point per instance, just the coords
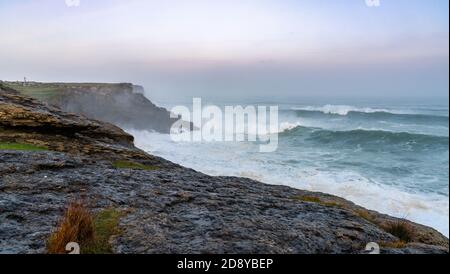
(343, 109)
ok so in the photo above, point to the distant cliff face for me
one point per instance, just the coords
(121, 104)
(27, 120)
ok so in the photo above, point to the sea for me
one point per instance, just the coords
(392, 158)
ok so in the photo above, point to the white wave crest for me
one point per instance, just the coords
(286, 126)
(237, 159)
(342, 109)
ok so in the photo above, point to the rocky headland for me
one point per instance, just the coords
(49, 157)
(122, 104)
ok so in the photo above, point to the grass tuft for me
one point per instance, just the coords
(133, 165)
(106, 225)
(397, 244)
(401, 230)
(364, 214)
(91, 232)
(311, 199)
(21, 147)
(75, 226)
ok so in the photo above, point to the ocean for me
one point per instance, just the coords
(391, 158)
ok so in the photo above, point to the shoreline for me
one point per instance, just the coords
(399, 201)
(168, 208)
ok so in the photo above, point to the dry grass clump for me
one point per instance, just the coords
(308, 199)
(76, 225)
(395, 245)
(367, 216)
(91, 232)
(401, 230)
(317, 200)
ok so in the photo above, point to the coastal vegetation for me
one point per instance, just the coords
(106, 225)
(312, 199)
(51, 92)
(91, 231)
(400, 229)
(20, 147)
(76, 225)
(132, 165)
(39, 91)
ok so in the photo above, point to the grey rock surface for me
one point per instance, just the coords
(174, 210)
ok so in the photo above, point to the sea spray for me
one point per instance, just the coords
(395, 164)
(233, 124)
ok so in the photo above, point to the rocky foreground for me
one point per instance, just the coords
(167, 208)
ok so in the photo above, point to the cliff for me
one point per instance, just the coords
(49, 158)
(121, 104)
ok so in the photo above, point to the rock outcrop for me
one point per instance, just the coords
(26, 120)
(121, 104)
(168, 208)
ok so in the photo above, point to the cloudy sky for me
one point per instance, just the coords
(233, 49)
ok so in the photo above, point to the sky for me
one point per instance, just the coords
(233, 49)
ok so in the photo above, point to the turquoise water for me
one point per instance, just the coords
(391, 159)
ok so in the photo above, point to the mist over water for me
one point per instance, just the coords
(393, 159)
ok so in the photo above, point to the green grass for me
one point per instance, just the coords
(41, 92)
(21, 147)
(106, 225)
(52, 92)
(133, 165)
